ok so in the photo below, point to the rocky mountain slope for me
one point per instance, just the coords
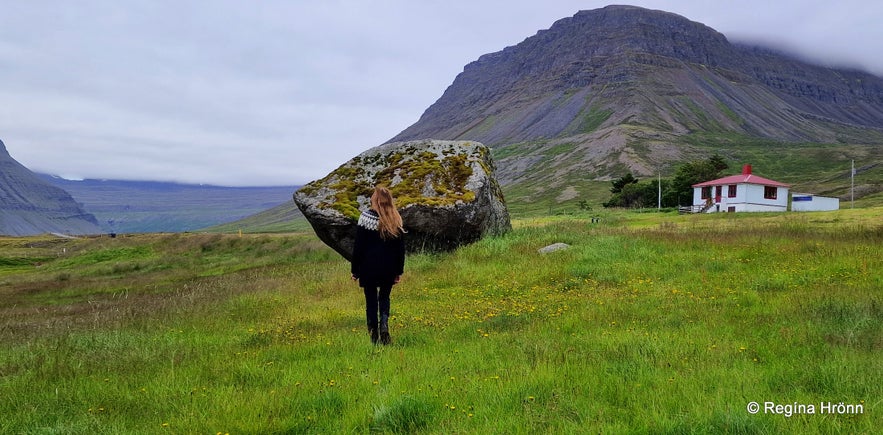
(626, 89)
(29, 205)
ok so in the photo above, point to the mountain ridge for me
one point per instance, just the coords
(30, 206)
(596, 53)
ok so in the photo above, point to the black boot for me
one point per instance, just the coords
(384, 330)
(373, 330)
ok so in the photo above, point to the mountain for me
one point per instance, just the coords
(626, 89)
(149, 206)
(30, 205)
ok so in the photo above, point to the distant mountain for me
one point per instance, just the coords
(30, 205)
(149, 206)
(626, 89)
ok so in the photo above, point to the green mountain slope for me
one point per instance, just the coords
(284, 218)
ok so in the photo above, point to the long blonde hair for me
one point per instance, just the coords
(391, 225)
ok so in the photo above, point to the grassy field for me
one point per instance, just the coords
(648, 323)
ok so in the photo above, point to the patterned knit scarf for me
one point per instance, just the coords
(369, 220)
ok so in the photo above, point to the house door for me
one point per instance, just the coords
(718, 192)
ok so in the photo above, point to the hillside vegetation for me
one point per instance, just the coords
(821, 169)
(648, 323)
(283, 218)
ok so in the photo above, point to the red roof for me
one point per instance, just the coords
(742, 179)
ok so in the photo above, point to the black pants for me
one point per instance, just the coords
(376, 300)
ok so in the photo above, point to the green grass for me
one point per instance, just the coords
(589, 121)
(649, 323)
(517, 149)
(796, 162)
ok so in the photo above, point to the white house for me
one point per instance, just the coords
(743, 192)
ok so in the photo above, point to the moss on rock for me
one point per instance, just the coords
(432, 173)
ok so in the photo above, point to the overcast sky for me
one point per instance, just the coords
(280, 92)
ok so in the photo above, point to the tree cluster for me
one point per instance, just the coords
(629, 192)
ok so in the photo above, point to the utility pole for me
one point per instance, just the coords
(659, 182)
(852, 186)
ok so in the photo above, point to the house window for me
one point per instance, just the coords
(731, 191)
(706, 192)
(770, 192)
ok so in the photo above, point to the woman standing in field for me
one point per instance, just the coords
(379, 259)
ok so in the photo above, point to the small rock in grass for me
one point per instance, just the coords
(553, 247)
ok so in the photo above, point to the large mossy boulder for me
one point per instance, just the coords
(445, 191)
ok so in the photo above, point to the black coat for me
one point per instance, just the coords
(376, 261)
